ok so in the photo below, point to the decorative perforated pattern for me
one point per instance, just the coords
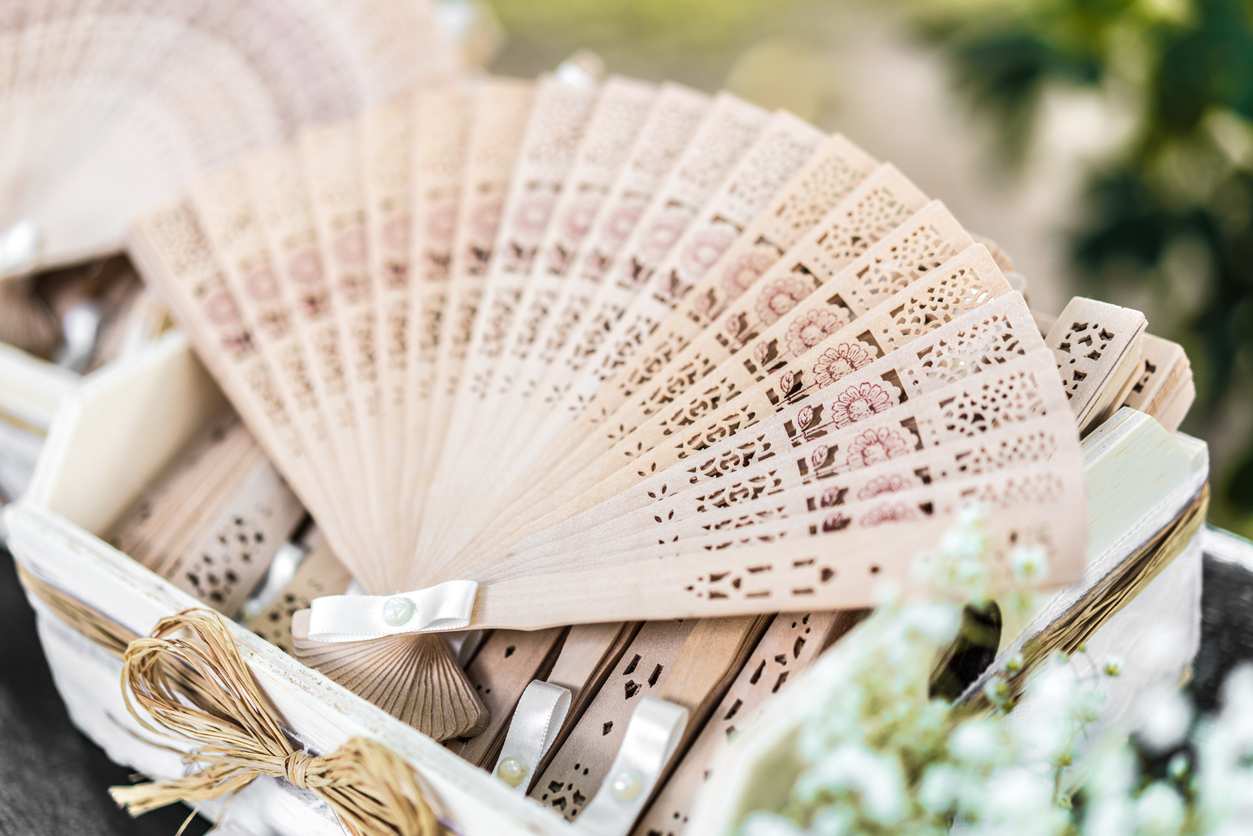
(580, 766)
(233, 553)
(1080, 351)
(669, 127)
(874, 208)
(783, 328)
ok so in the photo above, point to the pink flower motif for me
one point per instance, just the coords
(860, 402)
(882, 485)
(305, 267)
(219, 307)
(748, 268)
(579, 217)
(531, 218)
(874, 446)
(350, 245)
(779, 297)
(804, 417)
(395, 233)
(705, 248)
(811, 328)
(484, 220)
(261, 283)
(899, 512)
(620, 224)
(662, 234)
(837, 362)
(441, 223)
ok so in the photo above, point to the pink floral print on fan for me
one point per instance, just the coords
(844, 359)
(811, 328)
(874, 446)
(860, 402)
(779, 297)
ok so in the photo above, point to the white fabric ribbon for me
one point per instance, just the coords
(536, 722)
(19, 248)
(350, 618)
(653, 734)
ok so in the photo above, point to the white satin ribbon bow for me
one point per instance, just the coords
(350, 618)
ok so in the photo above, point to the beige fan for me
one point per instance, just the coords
(573, 352)
(107, 106)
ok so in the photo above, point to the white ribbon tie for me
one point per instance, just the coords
(350, 618)
(653, 734)
(534, 728)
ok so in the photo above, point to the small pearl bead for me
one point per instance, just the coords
(396, 611)
(511, 771)
(627, 786)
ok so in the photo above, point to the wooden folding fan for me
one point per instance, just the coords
(582, 352)
(109, 105)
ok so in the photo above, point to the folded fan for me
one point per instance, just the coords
(611, 351)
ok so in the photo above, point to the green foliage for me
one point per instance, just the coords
(1185, 178)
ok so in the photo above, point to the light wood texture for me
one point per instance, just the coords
(415, 678)
(213, 523)
(502, 668)
(791, 643)
(1164, 388)
(1098, 353)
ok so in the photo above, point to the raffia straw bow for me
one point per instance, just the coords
(189, 678)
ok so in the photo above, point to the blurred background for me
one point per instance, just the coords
(1106, 145)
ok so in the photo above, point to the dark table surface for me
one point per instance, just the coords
(54, 781)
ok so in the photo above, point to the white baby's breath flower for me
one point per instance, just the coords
(1112, 667)
(1086, 705)
(1013, 663)
(1179, 767)
(1167, 717)
(940, 789)
(961, 543)
(1108, 817)
(1028, 563)
(1019, 796)
(1159, 811)
(1114, 775)
(977, 744)
(973, 517)
(834, 821)
(937, 623)
(876, 779)
(769, 824)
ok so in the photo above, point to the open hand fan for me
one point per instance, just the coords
(572, 351)
(107, 106)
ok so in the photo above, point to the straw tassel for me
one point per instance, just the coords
(189, 678)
